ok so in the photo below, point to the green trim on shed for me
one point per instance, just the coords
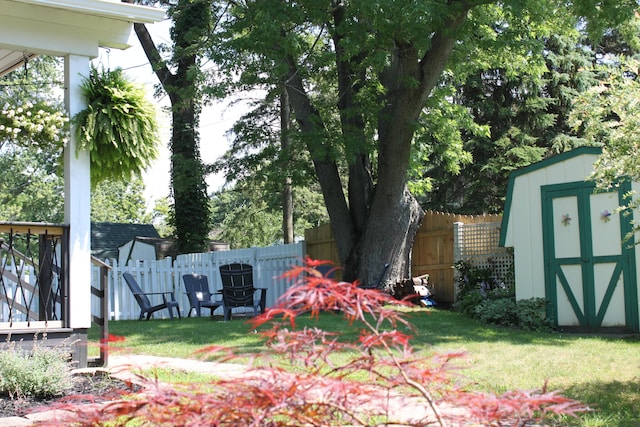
(580, 151)
(591, 315)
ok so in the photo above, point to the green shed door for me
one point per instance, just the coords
(590, 271)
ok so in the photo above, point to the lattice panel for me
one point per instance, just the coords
(479, 244)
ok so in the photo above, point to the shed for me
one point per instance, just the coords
(569, 243)
(146, 248)
(151, 248)
(108, 237)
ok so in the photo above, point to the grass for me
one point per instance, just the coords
(603, 372)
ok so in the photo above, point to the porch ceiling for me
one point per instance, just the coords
(12, 59)
(70, 14)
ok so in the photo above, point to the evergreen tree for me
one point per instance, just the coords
(526, 115)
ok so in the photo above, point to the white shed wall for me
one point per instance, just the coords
(526, 208)
(140, 251)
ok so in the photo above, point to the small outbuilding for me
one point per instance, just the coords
(570, 244)
(107, 238)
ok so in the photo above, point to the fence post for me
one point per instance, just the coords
(458, 243)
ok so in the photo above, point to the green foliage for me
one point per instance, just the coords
(497, 311)
(485, 297)
(526, 111)
(160, 217)
(119, 202)
(190, 210)
(252, 216)
(609, 114)
(118, 127)
(41, 372)
(31, 188)
(532, 314)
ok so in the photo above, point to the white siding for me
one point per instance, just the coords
(524, 230)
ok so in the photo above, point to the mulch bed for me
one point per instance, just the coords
(93, 387)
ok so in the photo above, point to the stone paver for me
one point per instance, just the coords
(126, 367)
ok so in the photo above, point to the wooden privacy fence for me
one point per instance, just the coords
(166, 275)
(433, 248)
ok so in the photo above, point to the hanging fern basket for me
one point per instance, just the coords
(118, 127)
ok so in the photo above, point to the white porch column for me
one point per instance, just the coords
(77, 193)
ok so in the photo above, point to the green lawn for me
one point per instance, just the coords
(603, 372)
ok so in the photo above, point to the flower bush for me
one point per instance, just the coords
(483, 295)
(378, 379)
(28, 124)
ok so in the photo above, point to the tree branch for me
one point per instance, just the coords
(311, 125)
(353, 124)
(158, 64)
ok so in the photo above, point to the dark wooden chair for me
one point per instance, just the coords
(238, 289)
(197, 288)
(168, 299)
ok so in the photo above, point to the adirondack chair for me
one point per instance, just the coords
(238, 289)
(143, 301)
(197, 288)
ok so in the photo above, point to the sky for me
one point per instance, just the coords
(215, 120)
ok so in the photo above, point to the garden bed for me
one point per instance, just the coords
(94, 386)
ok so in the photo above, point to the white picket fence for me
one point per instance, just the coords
(269, 263)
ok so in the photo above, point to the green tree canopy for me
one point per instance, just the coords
(116, 201)
(247, 214)
(360, 75)
(609, 115)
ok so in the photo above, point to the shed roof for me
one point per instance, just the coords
(580, 151)
(107, 237)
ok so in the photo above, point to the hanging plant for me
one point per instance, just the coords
(118, 127)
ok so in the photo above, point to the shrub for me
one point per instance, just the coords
(532, 314)
(500, 311)
(378, 379)
(41, 372)
(481, 294)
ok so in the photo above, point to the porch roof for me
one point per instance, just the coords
(59, 27)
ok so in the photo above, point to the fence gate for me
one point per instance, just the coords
(589, 268)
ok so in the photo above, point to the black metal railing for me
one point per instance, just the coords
(34, 282)
(102, 320)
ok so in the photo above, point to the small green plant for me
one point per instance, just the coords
(39, 372)
(532, 314)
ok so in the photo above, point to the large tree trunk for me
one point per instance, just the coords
(190, 214)
(388, 238)
(379, 224)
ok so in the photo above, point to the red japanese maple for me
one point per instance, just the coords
(383, 380)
